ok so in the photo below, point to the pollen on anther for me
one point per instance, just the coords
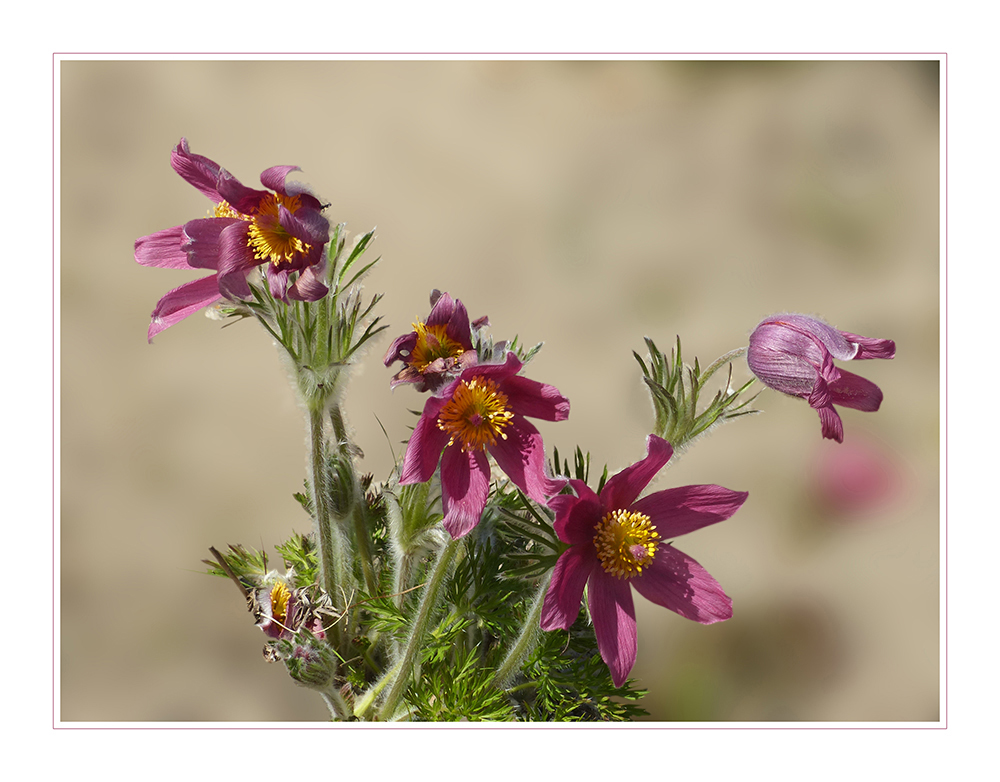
(625, 542)
(279, 601)
(433, 343)
(476, 414)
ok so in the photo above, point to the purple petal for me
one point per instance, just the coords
(833, 427)
(309, 286)
(780, 370)
(562, 600)
(273, 178)
(871, 348)
(465, 484)
(201, 240)
(576, 517)
(401, 348)
(676, 512)
(423, 451)
(833, 340)
(196, 170)
(850, 390)
(613, 612)
(534, 399)
(240, 197)
(522, 458)
(498, 373)
(442, 309)
(820, 394)
(621, 490)
(452, 313)
(235, 261)
(183, 301)
(305, 224)
(163, 249)
(675, 581)
(458, 326)
(277, 281)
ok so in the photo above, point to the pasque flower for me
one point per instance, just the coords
(479, 413)
(437, 348)
(794, 354)
(281, 227)
(618, 542)
(281, 611)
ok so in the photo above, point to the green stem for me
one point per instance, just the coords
(428, 602)
(339, 710)
(358, 511)
(719, 362)
(526, 639)
(331, 542)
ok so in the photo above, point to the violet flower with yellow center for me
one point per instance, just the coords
(437, 349)
(282, 230)
(794, 354)
(482, 413)
(618, 542)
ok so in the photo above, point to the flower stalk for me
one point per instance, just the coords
(526, 639)
(332, 544)
(429, 601)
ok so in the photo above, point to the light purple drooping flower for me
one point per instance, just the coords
(618, 542)
(482, 413)
(794, 354)
(281, 227)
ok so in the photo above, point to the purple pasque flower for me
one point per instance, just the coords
(437, 348)
(618, 542)
(483, 412)
(794, 354)
(281, 227)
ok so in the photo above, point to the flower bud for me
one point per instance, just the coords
(794, 354)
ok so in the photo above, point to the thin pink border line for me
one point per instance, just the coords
(929, 55)
(943, 56)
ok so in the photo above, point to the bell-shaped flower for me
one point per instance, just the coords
(482, 413)
(281, 227)
(618, 541)
(437, 349)
(794, 354)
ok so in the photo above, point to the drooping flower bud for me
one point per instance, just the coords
(794, 354)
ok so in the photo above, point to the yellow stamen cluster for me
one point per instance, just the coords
(625, 543)
(476, 414)
(223, 209)
(432, 343)
(266, 236)
(279, 602)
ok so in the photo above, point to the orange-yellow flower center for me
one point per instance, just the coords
(625, 542)
(266, 237)
(432, 343)
(476, 414)
(279, 602)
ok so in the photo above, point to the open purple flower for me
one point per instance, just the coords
(482, 411)
(436, 349)
(794, 354)
(283, 229)
(617, 542)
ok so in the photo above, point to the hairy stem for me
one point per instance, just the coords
(331, 540)
(428, 602)
(732, 354)
(526, 638)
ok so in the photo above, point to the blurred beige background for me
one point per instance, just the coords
(586, 204)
